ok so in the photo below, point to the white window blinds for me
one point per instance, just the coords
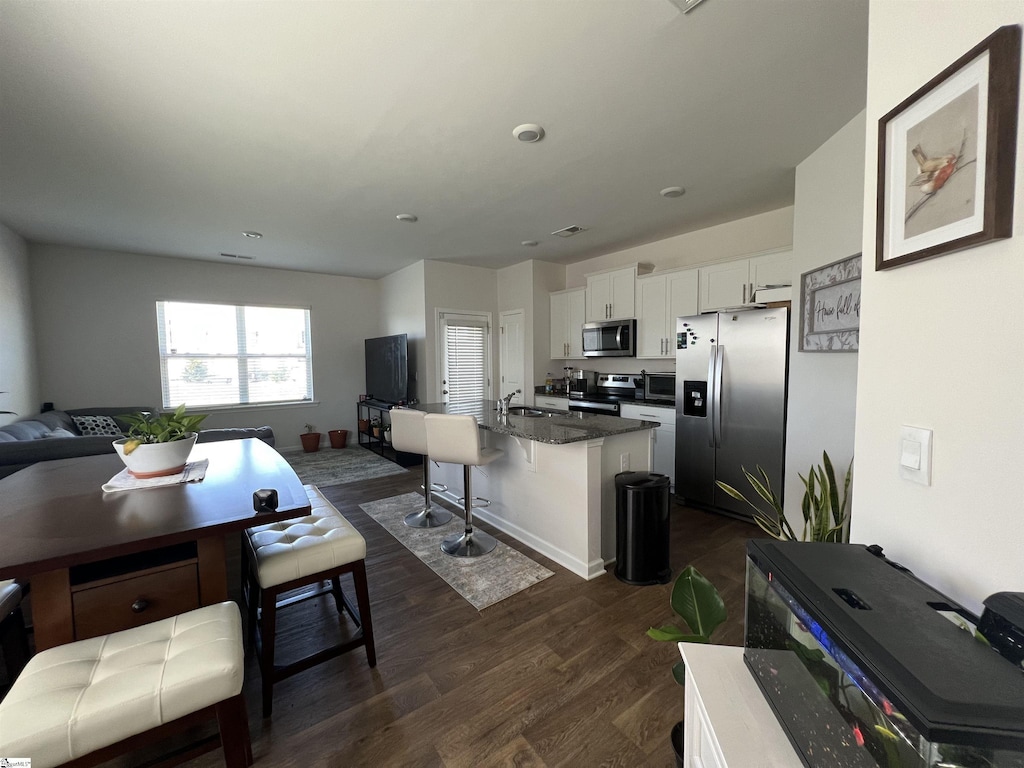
(465, 360)
(221, 354)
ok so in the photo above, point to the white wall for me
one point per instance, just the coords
(827, 226)
(942, 347)
(403, 310)
(453, 286)
(95, 319)
(19, 386)
(732, 240)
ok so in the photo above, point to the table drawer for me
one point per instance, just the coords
(134, 600)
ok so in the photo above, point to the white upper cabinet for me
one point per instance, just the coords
(567, 312)
(771, 269)
(732, 283)
(660, 299)
(612, 295)
(724, 285)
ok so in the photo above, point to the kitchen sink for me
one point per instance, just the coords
(522, 410)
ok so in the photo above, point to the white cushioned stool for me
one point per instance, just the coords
(295, 553)
(409, 433)
(84, 702)
(455, 438)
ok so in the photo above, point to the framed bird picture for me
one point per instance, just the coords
(946, 157)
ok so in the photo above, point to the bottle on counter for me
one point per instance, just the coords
(549, 384)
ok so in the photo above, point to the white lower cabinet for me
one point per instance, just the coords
(727, 720)
(664, 459)
(552, 403)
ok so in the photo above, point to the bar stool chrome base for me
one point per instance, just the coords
(468, 544)
(429, 517)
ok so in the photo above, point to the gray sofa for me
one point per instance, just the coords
(53, 435)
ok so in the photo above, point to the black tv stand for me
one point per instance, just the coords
(377, 437)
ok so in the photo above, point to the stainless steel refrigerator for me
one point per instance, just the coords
(731, 386)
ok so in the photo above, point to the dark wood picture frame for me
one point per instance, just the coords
(981, 86)
(830, 307)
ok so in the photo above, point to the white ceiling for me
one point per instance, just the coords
(169, 127)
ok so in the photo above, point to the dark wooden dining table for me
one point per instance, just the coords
(101, 561)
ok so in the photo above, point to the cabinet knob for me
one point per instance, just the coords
(140, 605)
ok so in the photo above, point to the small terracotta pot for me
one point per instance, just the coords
(364, 425)
(310, 441)
(339, 438)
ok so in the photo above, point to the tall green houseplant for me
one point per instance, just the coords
(824, 511)
(697, 602)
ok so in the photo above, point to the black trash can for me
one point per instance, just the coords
(642, 528)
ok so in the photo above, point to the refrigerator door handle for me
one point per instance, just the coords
(711, 396)
(719, 365)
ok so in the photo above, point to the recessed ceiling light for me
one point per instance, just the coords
(529, 243)
(673, 192)
(253, 235)
(407, 217)
(528, 132)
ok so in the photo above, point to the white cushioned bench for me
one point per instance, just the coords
(294, 553)
(77, 700)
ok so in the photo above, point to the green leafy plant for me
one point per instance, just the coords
(824, 511)
(152, 428)
(697, 602)
(310, 428)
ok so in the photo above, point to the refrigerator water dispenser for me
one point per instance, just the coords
(695, 398)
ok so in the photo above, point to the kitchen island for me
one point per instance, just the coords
(554, 489)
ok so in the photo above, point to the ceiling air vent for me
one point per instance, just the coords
(568, 231)
(236, 256)
(686, 5)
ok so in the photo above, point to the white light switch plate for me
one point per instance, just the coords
(915, 455)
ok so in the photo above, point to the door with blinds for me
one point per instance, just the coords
(465, 351)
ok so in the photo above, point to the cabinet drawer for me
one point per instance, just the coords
(108, 607)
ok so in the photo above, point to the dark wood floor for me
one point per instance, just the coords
(560, 674)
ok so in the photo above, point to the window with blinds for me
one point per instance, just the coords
(465, 343)
(224, 355)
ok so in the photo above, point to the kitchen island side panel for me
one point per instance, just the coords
(557, 499)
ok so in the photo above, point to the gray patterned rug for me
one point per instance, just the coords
(337, 466)
(483, 581)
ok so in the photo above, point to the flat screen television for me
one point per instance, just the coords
(387, 368)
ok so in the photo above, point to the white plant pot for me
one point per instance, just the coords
(156, 459)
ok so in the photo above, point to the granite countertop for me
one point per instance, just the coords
(557, 429)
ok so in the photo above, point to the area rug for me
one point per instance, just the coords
(483, 581)
(337, 466)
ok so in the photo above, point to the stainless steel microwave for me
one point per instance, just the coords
(610, 338)
(659, 387)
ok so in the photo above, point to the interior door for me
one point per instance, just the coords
(512, 354)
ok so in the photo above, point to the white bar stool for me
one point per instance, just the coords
(455, 439)
(408, 433)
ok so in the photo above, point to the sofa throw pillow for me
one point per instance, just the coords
(96, 426)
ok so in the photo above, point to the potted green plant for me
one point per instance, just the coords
(157, 445)
(310, 439)
(824, 511)
(697, 602)
(375, 426)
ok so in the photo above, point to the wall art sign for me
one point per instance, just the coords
(946, 157)
(830, 307)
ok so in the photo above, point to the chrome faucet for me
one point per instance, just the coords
(506, 401)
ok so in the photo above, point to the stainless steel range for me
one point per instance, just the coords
(612, 390)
